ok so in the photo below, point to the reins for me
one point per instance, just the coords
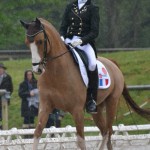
(52, 58)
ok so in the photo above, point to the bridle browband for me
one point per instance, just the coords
(45, 58)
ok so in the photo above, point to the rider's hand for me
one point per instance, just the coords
(76, 42)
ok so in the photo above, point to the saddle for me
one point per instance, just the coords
(82, 55)
(81, 60)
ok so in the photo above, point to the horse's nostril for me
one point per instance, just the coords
(39, 70)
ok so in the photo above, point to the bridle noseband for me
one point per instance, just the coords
(45, 58)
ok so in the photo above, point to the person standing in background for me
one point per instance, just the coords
(55, 119)
(5, 84)
(28, 93)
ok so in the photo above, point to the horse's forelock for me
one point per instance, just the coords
(33, 28)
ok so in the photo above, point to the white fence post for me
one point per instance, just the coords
(4, 94)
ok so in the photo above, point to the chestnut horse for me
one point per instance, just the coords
(61, 86)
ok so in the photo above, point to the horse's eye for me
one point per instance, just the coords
(39, 42)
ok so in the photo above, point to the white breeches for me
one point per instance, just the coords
(88, 50)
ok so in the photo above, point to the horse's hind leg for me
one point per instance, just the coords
(100, 122)
(99, 119)
(111, 108)
(79, 121)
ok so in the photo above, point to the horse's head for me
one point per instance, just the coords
(38, 42)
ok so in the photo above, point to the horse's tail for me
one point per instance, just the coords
(142, 112)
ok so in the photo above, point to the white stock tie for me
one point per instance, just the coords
(81, 3)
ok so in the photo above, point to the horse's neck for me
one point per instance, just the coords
(59, 57)
(57, 47)
(62, 58)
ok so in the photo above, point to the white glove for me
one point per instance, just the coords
(76, 42)
(62, 38)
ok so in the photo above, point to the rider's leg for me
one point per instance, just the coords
(92, 89)
(93, 79)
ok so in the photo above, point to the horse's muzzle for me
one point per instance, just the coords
(37, 69)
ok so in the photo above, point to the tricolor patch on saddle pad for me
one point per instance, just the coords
(104, 78)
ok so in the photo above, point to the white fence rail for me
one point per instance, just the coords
(124, 138)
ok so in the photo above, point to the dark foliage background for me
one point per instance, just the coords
(124, 23)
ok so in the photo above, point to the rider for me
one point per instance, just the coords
(80, 26)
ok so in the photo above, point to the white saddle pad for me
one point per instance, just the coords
(104, 78)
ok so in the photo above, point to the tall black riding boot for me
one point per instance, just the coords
(92, 92)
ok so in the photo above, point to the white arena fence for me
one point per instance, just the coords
(124, 138)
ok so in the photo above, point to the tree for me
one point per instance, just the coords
(123, 23)
(112, 19)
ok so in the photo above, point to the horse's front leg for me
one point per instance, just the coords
(42, 120)
(79, 122)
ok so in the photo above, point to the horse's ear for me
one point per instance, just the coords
(38, 22)
(24, 24)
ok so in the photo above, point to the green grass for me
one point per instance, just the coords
(136, 70)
